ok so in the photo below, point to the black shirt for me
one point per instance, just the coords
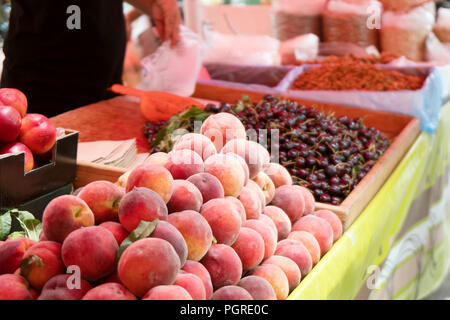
(60, 68)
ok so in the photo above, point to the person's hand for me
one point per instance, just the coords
(167, 19)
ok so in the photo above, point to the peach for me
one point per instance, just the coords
(93, 250)
(112, 278)
(208, 185)
(250, 248)
(229, 171)
(223, 265)
(258, 287)
(103, 199)
(276, 277)
(232, 293)
(184, 163)
(239, 207)
(196, 268)
(37, 133)
(14, 287)
(310, 243)
(60, 288)
(148, 263)
(224, 220)
(198, 143)
(281, 220)
(109, 291)
(123, 179)
(221, 128)
(65, 214)
(266, 185)
(279, 175)
(154, 177)
(195, 230)
(17, 147)
(269, 222)
(319, 228)
(117, 230)
(10, 123)
(185, 196)
(167, 292)
(14, 98)
(310, 202)
(250, 201)
(159, 158)
(289, 267)
(141, 204)
(12, 252)
(193, 285)
(333, 220)
(266, 232)
(243, 165)
(262, 198)
(168, 232)
(42, 262)
(297, 252)
(290, 200)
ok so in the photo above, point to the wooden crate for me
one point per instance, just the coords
(402, 130)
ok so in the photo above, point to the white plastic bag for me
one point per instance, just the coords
(305, 47)
(174, 70)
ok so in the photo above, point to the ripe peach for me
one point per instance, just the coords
(266, 220)
(221, 128)
(159, 158)
(148, 263)
(232, 293)
(243, 165)
(290, 200)
(297, 252)
(310, 243)
(198, 143)
(229, 171)
(250, 201)
(184, 163)
(319, 228)
(266, 232)
(64, 215)
(262, 198)
(141, 204)
(37, 133)
(250, 248)
(195, 230)
(109, 291)
(14, 287)
(266, 185)
(185, 196)
(258, 287)
(42, 262)
(103, 199)
(117, 230)
(223, 265)
(239, 207)
(93, 250)
(193, 285)
(168, 232)
(12, 252)
(280, 219)
(289, 267)
(112, 278)
(154, 177)
(310, 202)
(276, 277)
(208, 185)
(17, 147)
(64, 287)
(10, 123)
(123, 180)
(278, 174)
(167, 292)
(224, 220)
(333, 220)
(200, 271)
(14, 98)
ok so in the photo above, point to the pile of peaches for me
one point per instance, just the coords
(211, 220)
(32, 133)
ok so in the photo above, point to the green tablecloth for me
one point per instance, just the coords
(399, 248)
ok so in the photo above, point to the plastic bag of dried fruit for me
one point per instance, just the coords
(442, 27)
(174, 70)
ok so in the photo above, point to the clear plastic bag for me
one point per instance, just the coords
(174, 70)
(305, 47)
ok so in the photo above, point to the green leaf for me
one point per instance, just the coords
(31, 226)
(5, 225)
(144, 230)
(28, 262)
(214, 240)
(17, 235)
(245, 98)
